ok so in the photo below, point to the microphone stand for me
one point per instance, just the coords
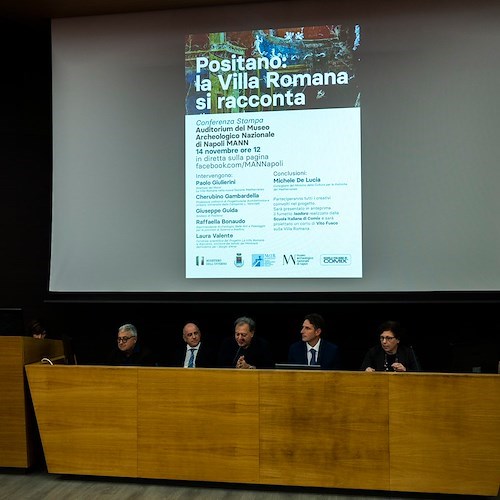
(415, 360)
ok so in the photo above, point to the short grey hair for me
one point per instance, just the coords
(128, 327)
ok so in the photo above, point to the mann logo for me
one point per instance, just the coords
(297, 259)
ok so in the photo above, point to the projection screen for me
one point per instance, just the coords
(279, 147)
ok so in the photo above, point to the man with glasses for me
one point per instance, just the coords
(128, 351)
(390, 355)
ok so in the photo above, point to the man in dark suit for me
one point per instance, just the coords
(194, 353)
(244, 350)
(312, 349)
(129, 351)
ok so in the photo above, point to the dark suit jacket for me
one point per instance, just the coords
(206, 357)
(328, 356)
(258, 353)
(375, 358)
(141, 356)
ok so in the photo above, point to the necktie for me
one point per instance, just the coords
(313, 356)
(191, 359)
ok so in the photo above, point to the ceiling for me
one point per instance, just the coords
(73, 8)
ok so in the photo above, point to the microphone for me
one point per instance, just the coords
(415, 360)
(237, 355)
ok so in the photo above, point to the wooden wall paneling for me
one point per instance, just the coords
(17, 423)
(13, 437)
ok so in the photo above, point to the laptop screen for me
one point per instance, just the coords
(295, 366)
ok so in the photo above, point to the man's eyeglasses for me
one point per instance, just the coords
(123, 339)
(388, 339)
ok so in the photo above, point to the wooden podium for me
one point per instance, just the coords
(418, 432)
(17, 424)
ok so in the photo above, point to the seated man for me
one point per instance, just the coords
(193, 353)
(312, 349)
(245, 350)
(129, 352)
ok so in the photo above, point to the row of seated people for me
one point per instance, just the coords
(245, 350)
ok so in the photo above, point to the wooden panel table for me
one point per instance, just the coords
(434, 433)
(324, 429)
(199, 426)
(87, 416)
(17, 424)
(445, 433)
